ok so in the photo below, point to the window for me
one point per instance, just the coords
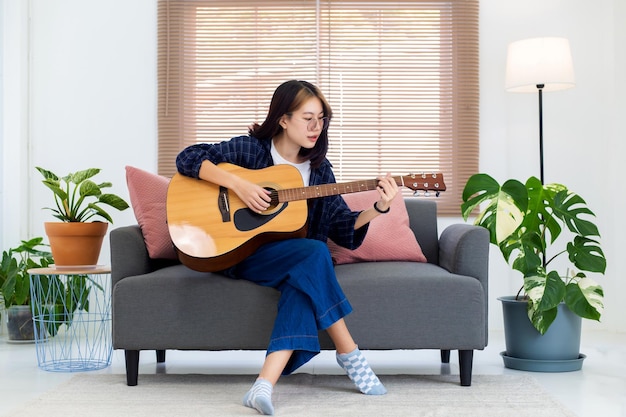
(401, 77)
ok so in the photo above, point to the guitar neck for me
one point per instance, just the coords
(325, 190)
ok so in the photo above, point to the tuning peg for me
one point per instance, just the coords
(427, 194)
(437, 193)
(416, 194)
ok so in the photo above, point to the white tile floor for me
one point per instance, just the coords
(599, 389)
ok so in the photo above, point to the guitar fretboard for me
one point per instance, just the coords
(325, 190)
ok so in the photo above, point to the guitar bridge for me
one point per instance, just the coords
(223, 204)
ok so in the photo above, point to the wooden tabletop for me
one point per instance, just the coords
(71, 270)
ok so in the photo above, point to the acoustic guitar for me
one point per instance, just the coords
(212, 229)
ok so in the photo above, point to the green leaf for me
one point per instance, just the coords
(80, 291)
(89, 188)
(56, 189)
(553, 293)
(22, 289)
(99, 211)
(539, 218)
(29, 245)
(47, 174)
(478, 188)
(586, 255)
(545, 292)
(113, 201)
(584, 297)
(528, 263)
(83, 175)
(9, 277)
(506, 205)
(569, 207)
(53, 317)
(541, 320)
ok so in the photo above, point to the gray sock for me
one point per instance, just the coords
(360, 373)
(259, 397)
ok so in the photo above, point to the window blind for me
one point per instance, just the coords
(401, 77)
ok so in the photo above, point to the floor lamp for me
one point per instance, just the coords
(539, 64)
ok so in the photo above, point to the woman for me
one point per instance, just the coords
(295, 132)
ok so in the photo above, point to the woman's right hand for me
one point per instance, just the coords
(252, 195)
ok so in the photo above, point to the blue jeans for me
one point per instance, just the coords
(311, 298)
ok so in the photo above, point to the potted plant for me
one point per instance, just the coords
(55, 301)
(526, 221)
(76, 240)
(15, 285)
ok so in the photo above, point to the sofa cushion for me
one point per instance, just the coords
(389, 237)
(148, 193)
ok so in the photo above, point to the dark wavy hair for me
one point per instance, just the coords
(287, 98)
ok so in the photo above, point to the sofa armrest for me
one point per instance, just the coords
(464, 250)
(129, 255)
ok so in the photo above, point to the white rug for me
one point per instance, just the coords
(301, 395)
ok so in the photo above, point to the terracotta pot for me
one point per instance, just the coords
(75, 244)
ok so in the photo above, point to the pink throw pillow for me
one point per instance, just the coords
(389, 237)
(148, 193)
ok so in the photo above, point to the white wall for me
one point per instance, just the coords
(14, 189)
(1, 116)
(80, 91)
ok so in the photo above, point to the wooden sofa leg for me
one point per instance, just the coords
(445, 355)
(466, 359)
(160, 356)
(132, 367)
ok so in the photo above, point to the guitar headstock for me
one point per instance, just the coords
(425, 182)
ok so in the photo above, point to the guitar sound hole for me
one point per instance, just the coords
(274, 203)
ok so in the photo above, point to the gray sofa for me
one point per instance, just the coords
(160, 305)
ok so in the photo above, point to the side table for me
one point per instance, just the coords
(72, 317)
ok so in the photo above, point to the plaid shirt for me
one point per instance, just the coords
(328, 217)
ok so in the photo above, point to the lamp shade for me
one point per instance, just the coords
(535, 61)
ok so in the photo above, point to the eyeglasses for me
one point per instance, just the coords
(313, 123)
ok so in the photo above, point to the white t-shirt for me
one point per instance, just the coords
(304, 167)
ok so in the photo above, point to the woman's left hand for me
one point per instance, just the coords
(388, 189)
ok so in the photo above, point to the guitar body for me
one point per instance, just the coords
(212, 229)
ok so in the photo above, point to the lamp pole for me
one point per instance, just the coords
(540, 89)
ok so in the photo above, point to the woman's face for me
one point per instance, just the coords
(305, 125)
